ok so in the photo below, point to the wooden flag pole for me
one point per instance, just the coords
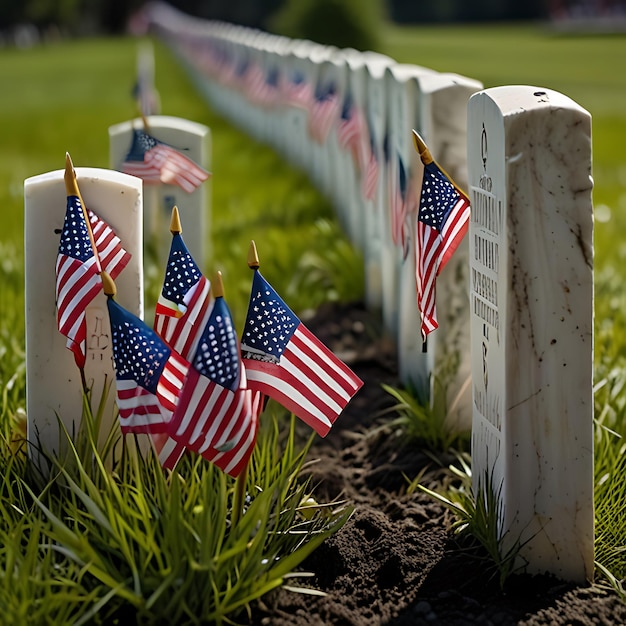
(240, 485)
(71, 189)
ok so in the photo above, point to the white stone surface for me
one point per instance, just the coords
(53, 383)
(194, 207)
(531, 265)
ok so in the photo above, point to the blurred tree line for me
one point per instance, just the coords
(341, 22)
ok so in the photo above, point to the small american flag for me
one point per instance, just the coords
(323, 113)
(263, 88)
(155, 162)
(369, 174)
(402, 203)
(77, 279)
(148, 375)
(351, 130)
(182, 311)
(216, 415)
(183, 307)
(443, 220)
(286, 362)
(296, 91)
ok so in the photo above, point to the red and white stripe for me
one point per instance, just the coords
(234, 460)
(214, 421)
(77, 284)
(369, 180)
(175, 168)
(309, 380)
(182, 334)
(113, 257)
(350, 134)
(145, 412)
(323, 113)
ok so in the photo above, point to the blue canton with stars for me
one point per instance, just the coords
(181, 273)
(217, 355)
(270, 323)
(138, 352)
(142, 143)
(438, 198)
(75, 240)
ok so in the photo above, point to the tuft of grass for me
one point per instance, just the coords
(113, 538)
(477, 515)
(424, 422)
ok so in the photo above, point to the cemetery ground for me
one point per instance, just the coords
(396, 560)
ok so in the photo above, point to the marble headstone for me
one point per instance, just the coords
(194, 140)
(531, 302)
(53, 382)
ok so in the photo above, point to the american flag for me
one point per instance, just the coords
(443, 220)
(286, 362)
(184, 304)
(351, 131)
(182, 310)
(296, 91)
(260, 88)
(323, 113)
(77, 279)
(113, 257)
(148, 375)
(369, 174)
(402, 202)
(216, 415)
(155, 162)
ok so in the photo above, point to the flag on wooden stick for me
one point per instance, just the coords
(323, 113)
(87, 245)
(286, 362)
(77, 278)
(182, 311)
(215, 415)
(183, 305)
(442, 221)
(156, 162)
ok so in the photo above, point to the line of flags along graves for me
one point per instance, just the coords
(435, 216)
(187, 382)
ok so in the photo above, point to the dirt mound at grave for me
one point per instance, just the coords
(395, 562)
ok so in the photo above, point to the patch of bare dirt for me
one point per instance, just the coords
(395, 562)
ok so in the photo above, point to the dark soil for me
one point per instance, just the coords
(396, 561)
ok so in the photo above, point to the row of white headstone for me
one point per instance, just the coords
(394, 99)
(523, 283)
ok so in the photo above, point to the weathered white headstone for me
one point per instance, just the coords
(531, 294)
(194, 140)
(53, 381)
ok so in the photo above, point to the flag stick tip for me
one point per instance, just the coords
(108, 285)
(175, 225)
(420, 147)
(217, 286)
(253, 257)
(71, 186)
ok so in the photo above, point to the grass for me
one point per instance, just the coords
(63, 96)
(137, 544)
